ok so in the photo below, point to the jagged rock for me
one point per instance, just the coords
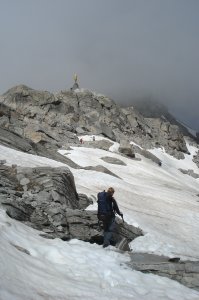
(136, 121)
(168, 136)
(102, 144)
(113, 160)
(126, 148)
(37, 116)
(148, 155)
(91, 230)
(15, 141)
(47, 121)
(4, 121)
(17, 96)
(17, 211)
(150, 108)
(107, 132)
(84, 201)
(46, 199)
(80, 130)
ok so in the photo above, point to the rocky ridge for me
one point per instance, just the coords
(49, 121)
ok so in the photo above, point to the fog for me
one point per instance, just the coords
(126, 49)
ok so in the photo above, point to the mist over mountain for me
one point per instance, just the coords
(134, 50)
(151, 108)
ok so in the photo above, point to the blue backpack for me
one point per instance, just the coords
(103, 205)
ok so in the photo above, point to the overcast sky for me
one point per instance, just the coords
(122, 48)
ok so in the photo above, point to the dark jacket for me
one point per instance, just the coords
(112, 205)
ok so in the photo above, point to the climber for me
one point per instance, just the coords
(107, 208)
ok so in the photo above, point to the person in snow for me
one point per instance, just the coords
(107, 208)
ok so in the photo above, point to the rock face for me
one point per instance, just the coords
(150, 108)
(46, 199)
(185, 272)
(47, 122)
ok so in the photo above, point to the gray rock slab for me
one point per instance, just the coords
(113, 160)
(185, 272)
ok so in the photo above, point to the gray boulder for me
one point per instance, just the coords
(148, 155)
(126, 149)
(84, 201)
(107, 131)
(190, 173)
(46, 199)
(113, 160)
(102, 144)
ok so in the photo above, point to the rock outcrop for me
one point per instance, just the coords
(185, 272)
(126, 148)
(190, 173)
(150, 108)
(46, 199)
(49, 121)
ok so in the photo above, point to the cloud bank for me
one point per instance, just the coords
(124, 49)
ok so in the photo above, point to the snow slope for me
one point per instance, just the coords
(160, 200)
(59, 270)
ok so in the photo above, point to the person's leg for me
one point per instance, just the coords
(109, 227)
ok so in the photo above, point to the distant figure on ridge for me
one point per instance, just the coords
(75, 85)
(107, 207)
